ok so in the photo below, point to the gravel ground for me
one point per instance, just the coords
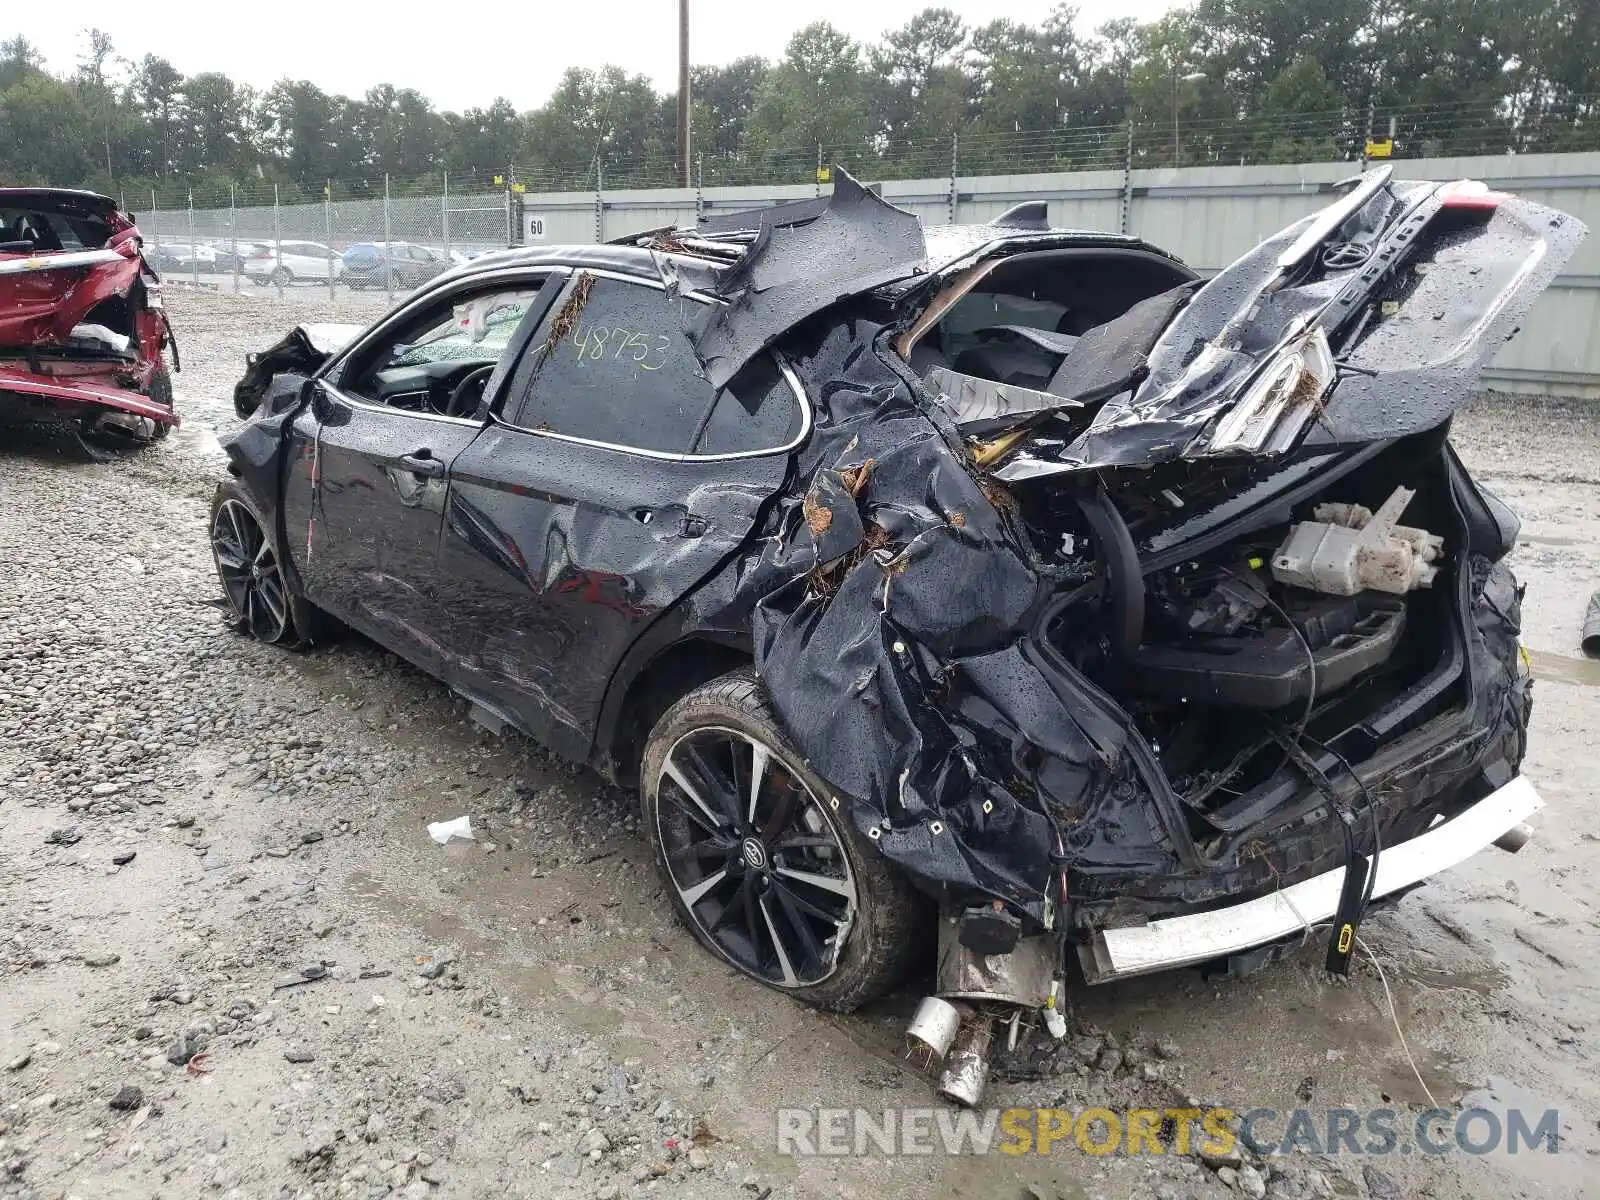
(232, 963)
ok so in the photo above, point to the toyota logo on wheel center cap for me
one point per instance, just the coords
(754, 855)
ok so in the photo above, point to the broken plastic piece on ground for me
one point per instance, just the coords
(443, 831)
(1591, 628)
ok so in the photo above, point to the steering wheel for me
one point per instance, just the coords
(470, 388)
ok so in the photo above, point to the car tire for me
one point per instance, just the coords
(282, 277)
(808, 870)
(281, 618)
(160, 391)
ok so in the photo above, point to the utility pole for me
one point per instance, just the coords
(684, 155)
(1191, 77)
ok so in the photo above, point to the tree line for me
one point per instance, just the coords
(1223, 81)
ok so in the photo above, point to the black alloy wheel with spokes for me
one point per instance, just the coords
(247, 565)
(760, 859)
(753, 858)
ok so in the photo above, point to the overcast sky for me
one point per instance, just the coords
(464, 54)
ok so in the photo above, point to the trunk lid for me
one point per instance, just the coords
(1367, 321)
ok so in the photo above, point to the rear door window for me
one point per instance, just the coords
(613, 365)
(757, 411)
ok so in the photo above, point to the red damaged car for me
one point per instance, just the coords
(82, 329)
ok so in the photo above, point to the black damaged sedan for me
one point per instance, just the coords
(1000, 596)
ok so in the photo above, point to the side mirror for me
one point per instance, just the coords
(316, 395)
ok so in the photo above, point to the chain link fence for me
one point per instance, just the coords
(358, 236)
(1181, 139)
(390, 235)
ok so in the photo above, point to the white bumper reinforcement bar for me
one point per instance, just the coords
(1177, 941)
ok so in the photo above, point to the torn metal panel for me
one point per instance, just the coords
(1409, 341)
(791, 271)
(274, 376)
(1114, 357)
(894, 679)
(971, 400)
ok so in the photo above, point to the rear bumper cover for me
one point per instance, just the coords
(74, 395)
(1199, 937)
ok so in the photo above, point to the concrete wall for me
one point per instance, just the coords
(1206, 215)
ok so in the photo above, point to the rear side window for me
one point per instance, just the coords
(615, 367)
(758, 410)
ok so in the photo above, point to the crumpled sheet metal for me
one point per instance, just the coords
(281, 368)
(898, 671)
(793, 271)
(1412, 368)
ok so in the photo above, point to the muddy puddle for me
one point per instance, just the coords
(1564, 668)
(587, 943)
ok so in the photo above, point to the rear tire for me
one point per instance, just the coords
(282, 277)
(773, 879)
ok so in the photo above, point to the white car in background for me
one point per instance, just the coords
(291, 262)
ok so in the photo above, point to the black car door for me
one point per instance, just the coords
(364, 499)
(612, 482)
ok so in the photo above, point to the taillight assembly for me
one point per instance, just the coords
(1470, 193)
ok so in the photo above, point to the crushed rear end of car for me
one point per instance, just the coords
(1158, 639)
(82, 327)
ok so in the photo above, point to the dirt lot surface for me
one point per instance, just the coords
(233, 964)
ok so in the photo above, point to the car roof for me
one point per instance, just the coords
(69, 201)
(946, 245)
(76, 195)
(625, 260)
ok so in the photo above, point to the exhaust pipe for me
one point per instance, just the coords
(128, 425)
(933, 1027)
(966, 1068)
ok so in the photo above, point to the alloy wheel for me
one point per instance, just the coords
(757, 862)
(248, 567)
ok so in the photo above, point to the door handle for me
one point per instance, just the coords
(422, 463)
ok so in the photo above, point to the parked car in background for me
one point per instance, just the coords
(182, 258)
(405, 265)
(231, 256)
(293, 262)
(82, 328)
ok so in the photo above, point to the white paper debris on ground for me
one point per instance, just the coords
(443, 831)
